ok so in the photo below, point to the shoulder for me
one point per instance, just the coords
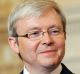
(65, 70)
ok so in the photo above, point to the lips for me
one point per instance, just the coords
(48, 52)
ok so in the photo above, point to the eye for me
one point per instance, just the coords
(34, 34)
(54, 31)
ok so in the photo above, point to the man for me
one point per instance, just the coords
(37, 33)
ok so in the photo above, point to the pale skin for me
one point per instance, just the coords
(31, 51)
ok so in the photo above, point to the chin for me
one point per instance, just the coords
(49, 62)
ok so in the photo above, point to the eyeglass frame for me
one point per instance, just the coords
(60, 31)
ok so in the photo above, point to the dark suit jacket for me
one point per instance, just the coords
(65, 70)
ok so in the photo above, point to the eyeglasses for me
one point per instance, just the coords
(37, 34)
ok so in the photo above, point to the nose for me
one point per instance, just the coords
(47, 40)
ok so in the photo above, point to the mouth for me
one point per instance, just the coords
(48, 52)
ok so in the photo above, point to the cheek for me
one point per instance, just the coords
(32, 45)
(28, 47)
(60, 44)
(28, 50)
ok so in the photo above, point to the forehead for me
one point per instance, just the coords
(47, 19)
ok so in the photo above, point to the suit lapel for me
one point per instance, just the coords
(65, 70)
(21, 72)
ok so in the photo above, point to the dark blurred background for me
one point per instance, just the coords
(10, 62)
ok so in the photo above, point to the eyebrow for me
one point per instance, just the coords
(53, 26)
(34, 28)
(39, 28)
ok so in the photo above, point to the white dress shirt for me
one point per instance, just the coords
(56, 71)
(25, 71)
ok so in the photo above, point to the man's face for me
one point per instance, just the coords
(47, 50)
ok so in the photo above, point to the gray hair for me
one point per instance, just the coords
(31, 8)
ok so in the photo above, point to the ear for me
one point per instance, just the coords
(13, 44)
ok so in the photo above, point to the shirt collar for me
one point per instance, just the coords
(25, 71)
(56, 71)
